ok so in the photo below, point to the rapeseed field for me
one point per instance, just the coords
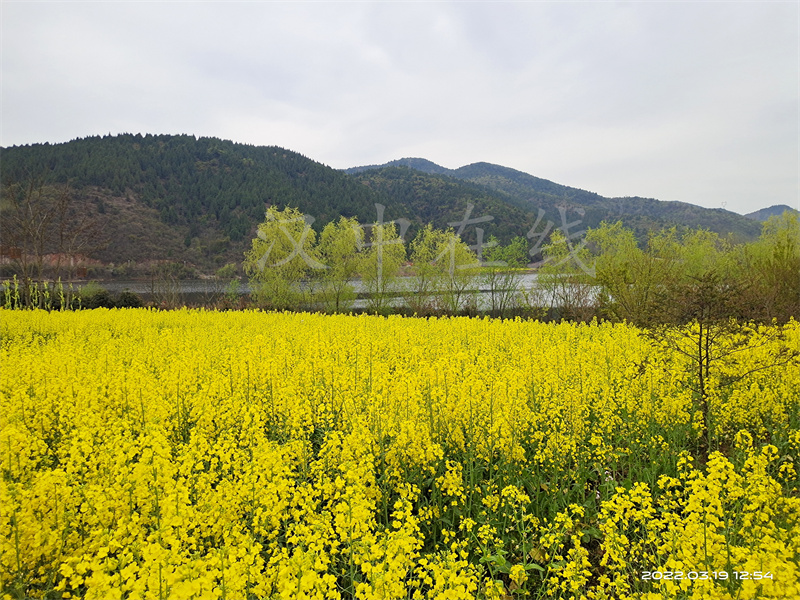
(243, 455)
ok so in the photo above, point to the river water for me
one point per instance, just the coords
(207, 291)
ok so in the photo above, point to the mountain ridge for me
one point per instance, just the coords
(476, 170)
(775, 210)
(534, 194)
(199, 200)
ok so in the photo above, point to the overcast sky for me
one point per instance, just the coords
(690, 101)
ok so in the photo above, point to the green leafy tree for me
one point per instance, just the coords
(281, 256)
(382, 256)
(697, 294)
(629, 277)
(770, 270)
(700, 312)
(458, 275)
(500, 274)
(566, 279)
(698, 319)
(444, 272)
(421, 289)
(338, 250)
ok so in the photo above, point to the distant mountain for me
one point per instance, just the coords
(199, 200)
(445, 202)
(773, 211)
(533, 194)
(522, 185)
(183, 198)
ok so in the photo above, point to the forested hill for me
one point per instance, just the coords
(199, 200)
(177, 197)
(772, 211)
(515, 184)
(180, 198)
(194, 182)
(531, 193)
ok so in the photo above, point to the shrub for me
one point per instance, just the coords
(129, 299)
(93, 296)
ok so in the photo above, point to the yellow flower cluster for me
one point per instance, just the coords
(719, 534)
(245, 455)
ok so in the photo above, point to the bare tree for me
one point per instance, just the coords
(37, 220)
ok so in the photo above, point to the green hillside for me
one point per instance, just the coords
(194, 181)
(772, 211)
(199, 200)
(531, 194)
(444, 202)
(178, 197)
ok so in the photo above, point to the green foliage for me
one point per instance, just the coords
(383, 255)
(92, 295)
(442, 202)
(567, 278)
(514, 255)
(527, 193)
(233, 294)
(128, 299)
(227, 272)
(770, 269)
(445, 271)
(204, 189)
(421, 290)
(281, 256)
(15, 295)
(756, 281)
(499, 276)
(339, 251)
(200, 199)
(627, 275)
(695, 293)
